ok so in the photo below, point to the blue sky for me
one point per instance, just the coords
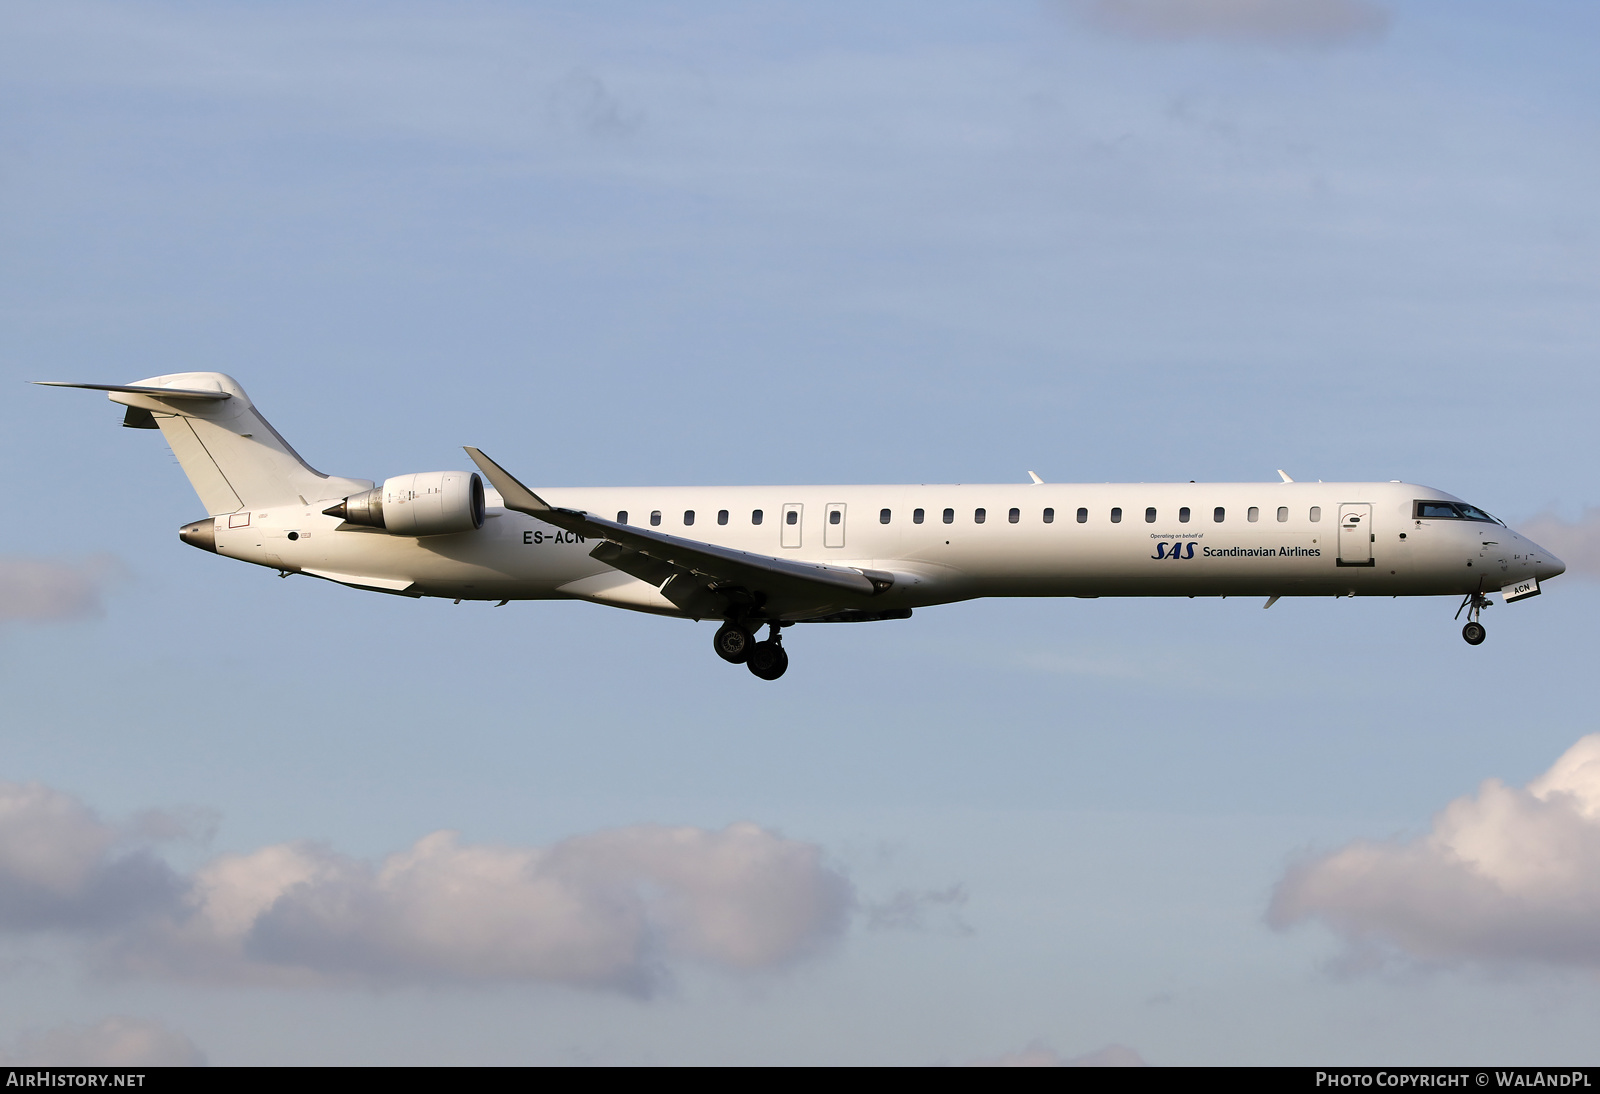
(1116, 240)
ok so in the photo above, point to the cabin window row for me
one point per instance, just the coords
(981, 516)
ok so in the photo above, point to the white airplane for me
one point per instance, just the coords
(770, 556)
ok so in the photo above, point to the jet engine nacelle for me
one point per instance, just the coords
(430, 503)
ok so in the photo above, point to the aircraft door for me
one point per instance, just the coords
(792, 514)
(833, 528)
(1355, 535)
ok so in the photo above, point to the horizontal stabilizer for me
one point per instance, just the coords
(137, 389)
(235, 460)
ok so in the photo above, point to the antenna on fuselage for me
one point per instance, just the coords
(1284, 475)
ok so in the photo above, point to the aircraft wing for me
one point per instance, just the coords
(698, 577)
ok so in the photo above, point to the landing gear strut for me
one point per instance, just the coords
(1472, 604)
(767, 659)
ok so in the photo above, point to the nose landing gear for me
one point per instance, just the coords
(1472, 604)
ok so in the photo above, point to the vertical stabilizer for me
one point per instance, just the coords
(233, 457)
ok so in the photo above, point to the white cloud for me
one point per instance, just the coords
(1577, 543)
(113, 1042)
(1510, 875)
(609, 909)
(59, 867)
(605, 909)
(37, 590)
(1272, 22)
(1039, 1054)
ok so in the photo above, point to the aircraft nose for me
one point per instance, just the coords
(1545, 564)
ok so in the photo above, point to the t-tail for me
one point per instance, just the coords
(234, 459)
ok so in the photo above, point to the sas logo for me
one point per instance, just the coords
(1179, 550)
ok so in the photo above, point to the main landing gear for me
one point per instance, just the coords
(732, 643)
(1472, 604)
(738, 646)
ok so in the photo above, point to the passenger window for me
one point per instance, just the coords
(835, 516)
(1283, 513)
(1316, 513)
(1014, 516)
(949, 516)
(979, 516)
(655, 517)
(1083, 516)
(688, 517)
(1253, 515)
(1183, 515)
(916, 516)
(883, 516)
(791, 517)
(1219, 514)
(755, 516)
(1049, 516)
(1149, 516)
(622, 516)
(722, 516)
(1116, 516)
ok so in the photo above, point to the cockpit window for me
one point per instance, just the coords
(1451, 510)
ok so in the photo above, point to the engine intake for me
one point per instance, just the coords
(430, 503)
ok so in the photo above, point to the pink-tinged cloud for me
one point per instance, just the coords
(1508, 875)
(37, 590)
(612, 909)
(118, 1041)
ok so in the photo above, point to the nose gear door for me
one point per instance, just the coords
(1355, 535)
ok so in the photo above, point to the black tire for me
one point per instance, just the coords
(1474, 634)
(732, 643)
(768, 660)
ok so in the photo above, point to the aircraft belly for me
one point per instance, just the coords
(495, 562)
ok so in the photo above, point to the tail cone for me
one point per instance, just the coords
(201, 534)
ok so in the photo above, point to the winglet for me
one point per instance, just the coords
(1282, 475)
(517, 497)
(1037, 481)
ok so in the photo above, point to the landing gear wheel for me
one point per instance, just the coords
(1473, 604)
(732, 643)
(768, 660)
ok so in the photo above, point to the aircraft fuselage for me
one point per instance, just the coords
(1069, 540)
